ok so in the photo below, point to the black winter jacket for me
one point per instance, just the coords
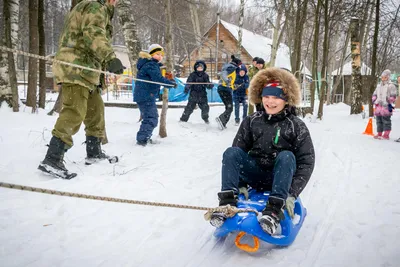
(257, 136)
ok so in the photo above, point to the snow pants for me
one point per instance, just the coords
(149, 113)
(199, 98)
(226, 97)
(239, 169)
(79, 105)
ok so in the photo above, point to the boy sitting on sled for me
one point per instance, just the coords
(272, 150)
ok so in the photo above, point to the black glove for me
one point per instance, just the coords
(115, 66)
(210, 86)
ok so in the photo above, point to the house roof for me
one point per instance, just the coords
(347, 70)
(260, 46)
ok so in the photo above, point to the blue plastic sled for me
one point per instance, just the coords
(247, 221)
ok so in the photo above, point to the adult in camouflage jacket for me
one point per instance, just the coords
(85, 41)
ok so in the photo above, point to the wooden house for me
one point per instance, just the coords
(253, 45)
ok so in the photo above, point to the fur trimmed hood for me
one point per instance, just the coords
(287, 80)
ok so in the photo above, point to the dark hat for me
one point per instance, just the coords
(236, 60)
(255, 59)
(260, 61)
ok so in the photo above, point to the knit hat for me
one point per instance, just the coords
(154, 48)
(276, 82)
(273, 88)
(386, 73)
(236, 60)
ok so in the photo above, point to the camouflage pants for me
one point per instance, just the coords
(78, 105)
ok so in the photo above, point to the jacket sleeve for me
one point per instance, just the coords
(94, 23)
(155, 74)
(305, 159)
(189, 80)
(244, 137)
(392, 94)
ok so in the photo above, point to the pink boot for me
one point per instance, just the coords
(378, 136)
(386, 135)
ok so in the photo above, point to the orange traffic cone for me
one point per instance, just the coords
(369, 130)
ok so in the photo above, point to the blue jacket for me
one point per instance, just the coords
(149, 70)
(241, 83)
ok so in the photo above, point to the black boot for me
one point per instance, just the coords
(53, 163)
(94, 152)
(272, 215)
(225, 198)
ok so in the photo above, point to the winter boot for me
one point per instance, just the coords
(220, 124)
(237, 122)
(272, 215)
(94, 152)
(386, 135)
(206, 121)
(149, 141)
(397, 140)
(378, 136)
(227, 197)
(53, 162)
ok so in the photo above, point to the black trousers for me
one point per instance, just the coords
(226, 97)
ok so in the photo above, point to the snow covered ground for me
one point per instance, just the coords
(353, 197)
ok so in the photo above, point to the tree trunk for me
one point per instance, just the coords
(340, 76)
(324, 62)
(8, 76)
(170, 67)
(374, 57)
(314, 84)
(130, 32)
(196, 25)
(300, 21)
(366, 33)
(356, 105)
(33, 49)
(240, 32)
(275, 41)
(42, 52)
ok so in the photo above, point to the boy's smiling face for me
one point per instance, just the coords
(273, 104)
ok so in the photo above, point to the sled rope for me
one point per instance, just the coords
(231, 211)
(56, 61)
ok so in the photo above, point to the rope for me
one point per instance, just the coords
(56, 61)
(230, 211)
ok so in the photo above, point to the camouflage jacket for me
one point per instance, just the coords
(86, 41)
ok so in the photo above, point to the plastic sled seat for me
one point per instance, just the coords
(247, 222)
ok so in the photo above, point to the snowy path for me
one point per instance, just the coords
(352, 199)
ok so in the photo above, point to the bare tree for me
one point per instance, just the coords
(42, 52)
(356, 105)
(240, 33)
(374, 56)
(324, 83)
(170, 67)
(276, 35)
(8, 79)
(33, 49)
(130, 32)
(314, 84)
(196, 23)
(298, 37)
